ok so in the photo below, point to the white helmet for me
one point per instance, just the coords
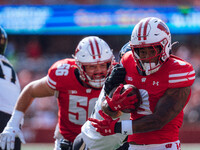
(92, 51)
(151, 32)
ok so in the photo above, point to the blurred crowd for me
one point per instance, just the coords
(192, 110)
(101, 2)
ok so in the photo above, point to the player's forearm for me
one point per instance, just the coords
(167, 108)
(148, 123)
(38, 88)
(25, 99)
(145, 124)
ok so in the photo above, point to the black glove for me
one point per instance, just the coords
(115, 78)
(65, 145)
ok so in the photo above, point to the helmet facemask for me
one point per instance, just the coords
(93, 51)
(152, 63)
(91, 81)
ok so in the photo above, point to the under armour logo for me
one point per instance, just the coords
(125, 133)
(108, 131)
(118, 106)
(156, 83)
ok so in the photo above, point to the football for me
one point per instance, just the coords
(134, 91)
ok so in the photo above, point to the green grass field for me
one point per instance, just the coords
(50, 146)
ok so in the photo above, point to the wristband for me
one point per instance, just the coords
(16, 118)
(127, 128)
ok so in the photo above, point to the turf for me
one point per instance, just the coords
(50, 146)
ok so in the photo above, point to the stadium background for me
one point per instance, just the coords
(41, 32)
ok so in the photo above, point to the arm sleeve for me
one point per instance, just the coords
(181, 76)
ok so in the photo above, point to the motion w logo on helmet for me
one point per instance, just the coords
(162, 27)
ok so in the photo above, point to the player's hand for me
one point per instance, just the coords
(116, 77)
(7, 137)
(104, 127)
(121, 101)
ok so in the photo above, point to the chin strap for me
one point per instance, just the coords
(148, 66)
(96, 83)
(174, 43)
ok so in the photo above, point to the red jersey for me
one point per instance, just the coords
(174, 73)
(75, 101)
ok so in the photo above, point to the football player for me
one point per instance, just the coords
(76, 83)
(9, 85)
(92, 140)
(89, 137)
(167, 80)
